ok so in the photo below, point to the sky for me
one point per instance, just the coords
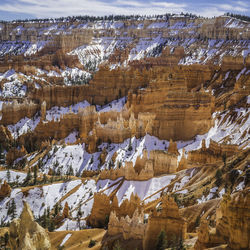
(22, 9)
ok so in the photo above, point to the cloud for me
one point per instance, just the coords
(58, 8)
(209, 12)
(169, 5)
(228, 7)
(241, 3)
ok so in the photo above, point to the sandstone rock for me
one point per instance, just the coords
(5, 190)
(13, 112)
(5, 135)
(214, 153)
(169, 220)
(103, 206)
(14, 154)
(232, 227)
(27, 234)
(65, 213)
(130, 228)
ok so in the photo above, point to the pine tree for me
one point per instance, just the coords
(44, 219)
(28, 177)
(35, 175)
(45, 179)
(13, 209)
(51, 225)
(8, 176)
(1, 154)
(6, 238)
(161, 242)
(56, 210)
(130, 148)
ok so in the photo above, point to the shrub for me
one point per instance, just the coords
(218, 177)
(92, 243)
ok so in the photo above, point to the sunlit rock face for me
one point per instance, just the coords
(25, 233)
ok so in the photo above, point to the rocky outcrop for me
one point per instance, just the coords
(5, 190)
(14, 154)
(5, 136)
(14, 112)
(128, 172)
(179, 113)
(232, 225)
(168, 220)
(130, 228)
(223, 28)
(103, 206)
(100, 210)
(25, 233)
(214, 153)
(146, 167)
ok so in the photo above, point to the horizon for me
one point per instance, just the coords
(11, 10)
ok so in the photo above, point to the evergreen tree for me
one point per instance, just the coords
(51, 225)
(44, 219)
(8, 176)
(161, 242)
(218, 177)
(13, 209)
(117, 246)
(6, 238)
(45, 179)
(130, 148)
(28, 178)
(35, 175)
(56, 209)
(1, 154)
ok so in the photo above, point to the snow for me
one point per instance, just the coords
(210, 195)
(222, 192)
(71, 225)
(184, 191)
(41, 198)
(65, 239)
(61, 158)
(157, 25)
(246, 52)
(35, 47)
(99, 50)
(180, 185)
(21, 47)
(241, 73)
(56, 112)
(23, 126)
(105, 185)
(26, 124)
(143, 188)
(240, 186)
(13, 89)
(147, 142)
(116, 105)
(14, 176)
(146, 47)
(234, 23)
(71, 138)
(75, 76)
(13, 47)
(226, 76)
(229, 130)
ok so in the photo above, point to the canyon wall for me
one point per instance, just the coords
(232, 224)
